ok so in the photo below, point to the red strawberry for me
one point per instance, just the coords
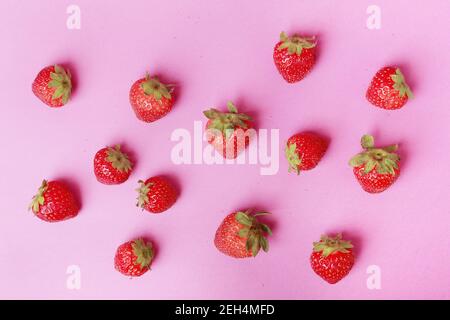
(294, 56)
(53, 86)
(304, 151)
(332, 258)
(228, 132)
(156, 194)
(151, 100)
(376, 169)
(241, 235)
(388, 89)
(133, 258)
(54, 202)
(111, 165)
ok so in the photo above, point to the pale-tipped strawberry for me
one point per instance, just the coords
(294, 56)
(54, 202)
(53, 86)
(112, 166)
(304, 151)
(151, 99)
(228, 131)
(156, 194)
(133, 258)
(241, 235)
(388, 89)
(376, 169)
(332, 258)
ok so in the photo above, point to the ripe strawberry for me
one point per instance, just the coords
(151, 100)
(133, 258)
(228, 132)
(376, 169)
(156, 194)
(332, 258)
(53, 86)
(388, 89)
(241, 235)
(112, 166)
(294, 56)
(54, 202)
(304, 151)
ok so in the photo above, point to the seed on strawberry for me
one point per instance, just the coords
(376, 169)
(54, 202)
(294, 56)
(304, 151)
(156, 194)
(53, 86)
(112, 166)
(332, 258)
(388, 89)
(133, 258)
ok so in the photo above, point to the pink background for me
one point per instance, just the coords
(215, 51)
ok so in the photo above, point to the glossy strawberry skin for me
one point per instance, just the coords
(333, 267)
(146, 107)
(374, 182)
(105, 172)
(381, 92)
(294, 67)
(162, 195)
(42, 91)
(125, 261)
(227, 240)
(310, 148)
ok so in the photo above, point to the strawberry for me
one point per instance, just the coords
(376, 169)
(151, 100)
(54, 202)
(332, 258)
(304, 151)
(241, 235)
(133, 258)
(294, 56)
(388, 89)
(227, 131)
(156, 194)
(53, 86)
(111, 165)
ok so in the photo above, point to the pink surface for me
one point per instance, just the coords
(215, 51)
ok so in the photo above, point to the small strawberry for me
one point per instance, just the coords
(112, 166)
(151, 100)
(133, 258)
(332, 258)
(376, 169)
(304, 151)
(388, 89)
(241, 235)
(227, 132)
(156, 194)
(54, 202)
(294, 56)
(53, 86)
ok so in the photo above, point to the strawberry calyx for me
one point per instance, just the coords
(293, 158)
(62, 83)
(226, 122)
(155, 88)
(296, 44)
(385, 160)
(329, 245)
(254, 231)
(400, 84)
(143, 191)
(143, 252)
(118, 159)
(38, 199)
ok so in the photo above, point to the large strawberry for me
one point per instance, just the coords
(332, 258)
(53, 86)
(133, 258)
(151, 100)
(376, 169)
(304, 151)
(54, 202)
(241, 235)
(388, 89)
(227, 132)
(111, 165)
(294, 56)
(156, 194)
